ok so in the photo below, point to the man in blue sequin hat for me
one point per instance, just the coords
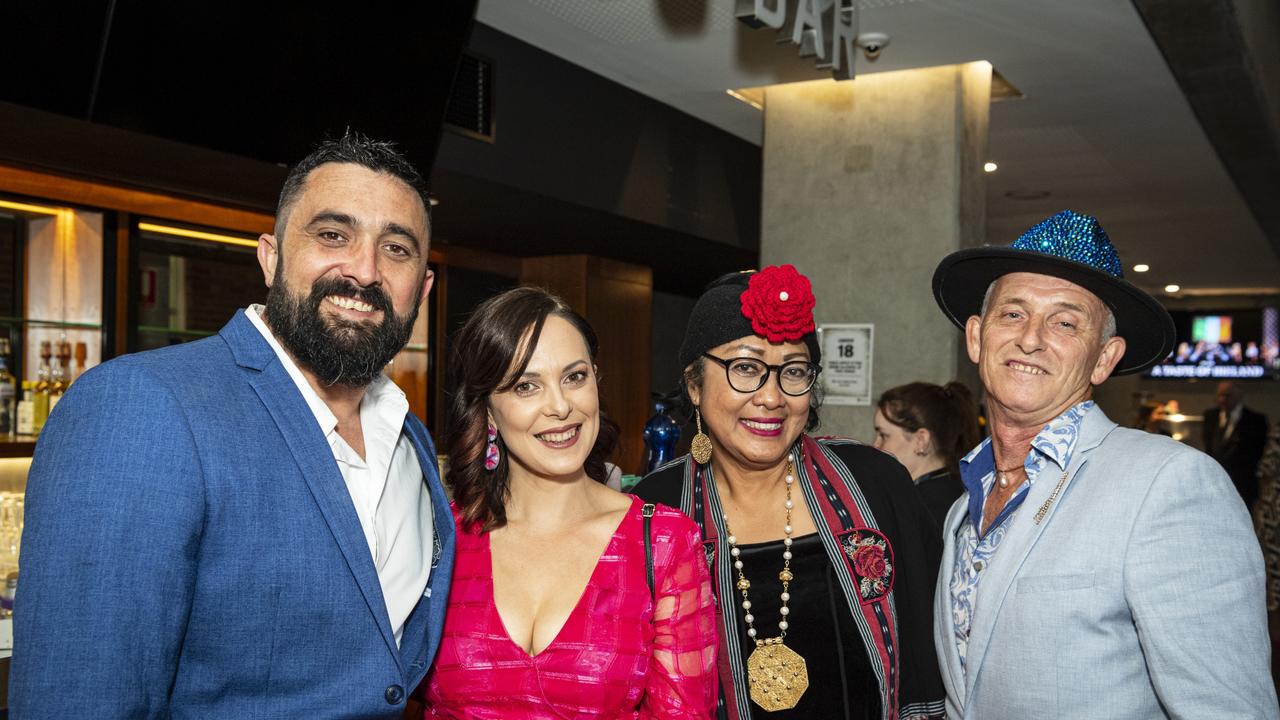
(1089, 570)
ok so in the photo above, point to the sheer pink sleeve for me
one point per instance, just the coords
(682, 680)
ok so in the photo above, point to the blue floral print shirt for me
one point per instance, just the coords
(974, 550)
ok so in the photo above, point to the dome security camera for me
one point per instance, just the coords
(872, 44)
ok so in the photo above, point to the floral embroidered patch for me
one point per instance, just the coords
(871, 558)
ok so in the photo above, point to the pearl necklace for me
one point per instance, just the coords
(777, 675)
(744, 585)
(1002, 477)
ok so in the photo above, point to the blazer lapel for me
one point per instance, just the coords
(314, 458)
(1037, 511)
(944, 625)
(418, 647)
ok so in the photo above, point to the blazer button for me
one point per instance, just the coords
(394, 694)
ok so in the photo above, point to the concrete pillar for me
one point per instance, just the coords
(867, 185)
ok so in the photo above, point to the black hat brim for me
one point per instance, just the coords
(962, 278)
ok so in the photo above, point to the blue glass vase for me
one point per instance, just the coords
(661, 434)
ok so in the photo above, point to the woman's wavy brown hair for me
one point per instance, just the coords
(484, 361)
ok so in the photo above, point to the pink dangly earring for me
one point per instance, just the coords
(491, 454)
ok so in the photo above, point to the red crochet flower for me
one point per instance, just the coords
(779, 303)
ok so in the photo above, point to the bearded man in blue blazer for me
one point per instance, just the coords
(1090, 571)
(251, 525)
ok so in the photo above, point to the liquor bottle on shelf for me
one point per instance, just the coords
(9, 592)
(57, 385)
(8, 393)
(26, 418)
(82, 354)
(60, 374)
(40, 394)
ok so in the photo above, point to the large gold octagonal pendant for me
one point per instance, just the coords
(778, 677)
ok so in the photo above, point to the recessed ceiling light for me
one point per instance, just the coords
(1172, 288)
(990, 167)
(1141, 267)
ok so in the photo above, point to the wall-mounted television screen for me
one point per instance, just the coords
(1224, 344)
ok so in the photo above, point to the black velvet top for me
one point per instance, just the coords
(939, 490)
(841, 684)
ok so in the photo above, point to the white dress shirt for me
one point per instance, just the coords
(387, 487)
(1227, 420)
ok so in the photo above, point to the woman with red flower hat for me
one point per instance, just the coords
(822, 556)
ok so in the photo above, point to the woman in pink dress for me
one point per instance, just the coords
(551, 614)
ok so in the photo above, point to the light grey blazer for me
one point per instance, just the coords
(1139, 594)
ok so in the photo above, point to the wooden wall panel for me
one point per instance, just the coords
(123, 294)
(564, 275)
(616, 298)
(138, 202)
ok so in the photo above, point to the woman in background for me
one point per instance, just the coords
(551, 613)
(929, 428)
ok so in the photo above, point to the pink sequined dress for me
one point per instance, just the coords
(617, 656)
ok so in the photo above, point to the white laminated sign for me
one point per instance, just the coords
(846, 362)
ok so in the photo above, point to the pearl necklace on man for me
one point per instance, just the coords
(1002, 476)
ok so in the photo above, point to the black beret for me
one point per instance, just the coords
(717, 318)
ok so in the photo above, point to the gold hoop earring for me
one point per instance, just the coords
(701, 447)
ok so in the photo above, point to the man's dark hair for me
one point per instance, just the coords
(358, 149)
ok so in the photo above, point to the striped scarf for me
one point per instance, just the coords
(860, 554)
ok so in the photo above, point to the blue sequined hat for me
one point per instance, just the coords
(1073, 247)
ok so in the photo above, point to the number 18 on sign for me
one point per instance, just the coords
(846, 363)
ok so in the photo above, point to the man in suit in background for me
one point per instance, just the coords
(1235, 436)
(251, 525)
(1090, 570)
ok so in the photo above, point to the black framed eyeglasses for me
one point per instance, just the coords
(747, 375)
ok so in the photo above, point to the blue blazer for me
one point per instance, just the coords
(1139, 594)
(191, 550)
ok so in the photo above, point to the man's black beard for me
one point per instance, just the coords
(337, 351)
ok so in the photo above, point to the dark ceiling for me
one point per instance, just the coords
(486, 215)
(213, 101)
(258, 79)
(1232, 85)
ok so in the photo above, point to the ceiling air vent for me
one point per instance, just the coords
(470, 109)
